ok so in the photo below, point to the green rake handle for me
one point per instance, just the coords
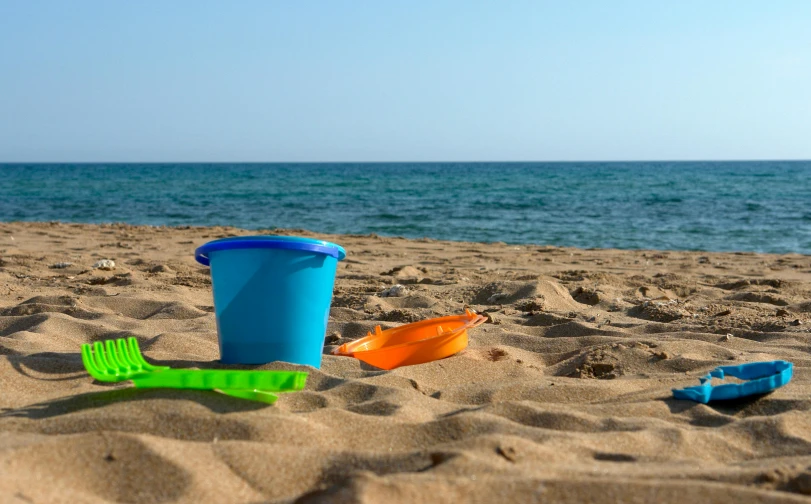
(209, 379)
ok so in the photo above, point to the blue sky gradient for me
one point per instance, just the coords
(178, 80)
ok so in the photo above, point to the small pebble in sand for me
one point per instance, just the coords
(105, 264)
(61, 265)
(396, 290)
(727, 337)
(508, 452)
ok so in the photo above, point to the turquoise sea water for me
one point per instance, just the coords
(742, 206)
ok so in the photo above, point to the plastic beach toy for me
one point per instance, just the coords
(415, 343)
(121, 360)
(762, 377)
(271, 296)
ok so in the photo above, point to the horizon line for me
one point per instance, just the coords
(773, 160)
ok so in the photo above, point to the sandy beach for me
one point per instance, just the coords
(564, 395)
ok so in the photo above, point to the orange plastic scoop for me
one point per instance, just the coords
(416, 343)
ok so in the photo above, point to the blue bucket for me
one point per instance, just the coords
(272, 296)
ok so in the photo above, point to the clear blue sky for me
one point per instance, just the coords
(160, 80)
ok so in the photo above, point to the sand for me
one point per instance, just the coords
(563, 396)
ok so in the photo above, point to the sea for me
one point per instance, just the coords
(757, 206)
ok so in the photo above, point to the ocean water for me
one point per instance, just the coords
(714, 206)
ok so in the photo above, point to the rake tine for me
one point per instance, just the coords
(103, 359)
(90, 365)
(98, 357)
(113, 356)
(135, 352)
(124, 353)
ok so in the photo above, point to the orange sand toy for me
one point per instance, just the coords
(415, 343)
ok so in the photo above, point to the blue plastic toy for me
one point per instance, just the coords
(272, 296)
(762, 377)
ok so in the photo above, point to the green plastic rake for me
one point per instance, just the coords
(120, 360)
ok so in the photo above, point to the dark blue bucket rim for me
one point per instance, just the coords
(268, 242)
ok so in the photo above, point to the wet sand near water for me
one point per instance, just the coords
(563, 396)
